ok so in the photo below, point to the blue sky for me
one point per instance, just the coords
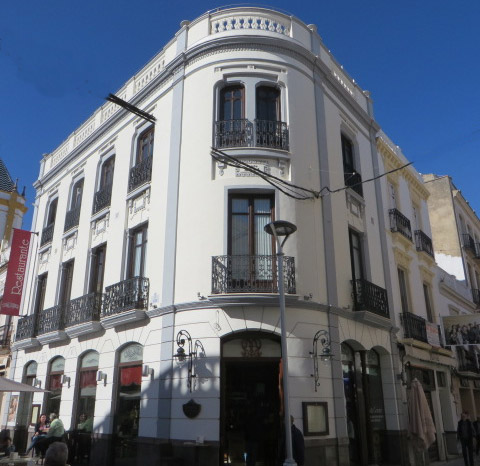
(419, 60)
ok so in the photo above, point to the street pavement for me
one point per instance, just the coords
(455, 461)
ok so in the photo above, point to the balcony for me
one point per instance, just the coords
(476, 296)
(423, 242)
(125, 302)
(72, 218)
(468, 242)
(243, 133)
(140, 173)
(26, 331)
(83, 315)
(370, 297)
(251, 274)
(51, 325)
(47, 234)
(354, 181)
(102, 198)
(414, 327)
(399, 223)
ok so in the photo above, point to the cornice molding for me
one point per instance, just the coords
(393, 162)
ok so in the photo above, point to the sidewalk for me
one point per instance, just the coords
(455, 461)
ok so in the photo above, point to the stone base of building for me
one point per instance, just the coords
(162, 452)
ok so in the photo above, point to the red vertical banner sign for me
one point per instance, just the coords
(17, 267)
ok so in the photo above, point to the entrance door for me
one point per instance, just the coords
(250, 418)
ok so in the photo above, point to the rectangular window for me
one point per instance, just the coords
(356, 255)
(428, 302)
(40, 296)
(67, 280)
(352, 178)
(402, 281)
(248, 216)
(97, 269)
(138, 251)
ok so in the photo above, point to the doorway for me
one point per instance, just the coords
(250, 418)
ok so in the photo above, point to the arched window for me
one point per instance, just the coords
(129, 383)
(103, 194)
(268, 103)
(24, 414)
(232, 102)
(54, 385)
(73, 215)
(86, 391)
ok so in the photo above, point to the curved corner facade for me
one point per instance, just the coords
(153, 299)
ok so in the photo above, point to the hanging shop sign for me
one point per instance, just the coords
(17, 265)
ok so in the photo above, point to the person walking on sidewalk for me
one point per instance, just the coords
(466, 433)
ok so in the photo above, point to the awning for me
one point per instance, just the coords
(8, 385)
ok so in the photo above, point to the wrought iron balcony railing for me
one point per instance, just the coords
(84, 309)
(251, 274)
(414, 327)
(140, 173)
(354, 181)
(399, 223)
(26, 327)
(476, 296)
(50, 320)
(243, 133)
(272, 134)
(423, 242)
(47, 234)
(468, 242)
(233, 133)
(102, 198)
(72, 218)
(126, 295)
(370, 297)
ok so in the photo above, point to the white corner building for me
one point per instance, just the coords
(151, 311)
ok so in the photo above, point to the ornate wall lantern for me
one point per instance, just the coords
(325, 354)
(194, 350)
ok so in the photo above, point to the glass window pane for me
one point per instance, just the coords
(240, 234)
(240, 206)
(58, 365)
(132, 353)
(31, 369)
(90, 359)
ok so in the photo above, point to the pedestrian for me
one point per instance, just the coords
(466, 433)
(55, 434)
(57, 455)
(476, 426)
(298, 444)
(41, 429)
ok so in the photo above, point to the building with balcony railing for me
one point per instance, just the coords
(12, 210)
(154, 291)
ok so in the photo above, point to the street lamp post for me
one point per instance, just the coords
(279, 229)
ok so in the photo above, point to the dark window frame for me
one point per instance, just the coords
(351, 235)
(66, 282)
(145, 145)
(93, 285)
(132, 248)
(269, 102)
(227, 95)
(251, 215)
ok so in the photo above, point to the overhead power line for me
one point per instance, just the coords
(289, 189)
